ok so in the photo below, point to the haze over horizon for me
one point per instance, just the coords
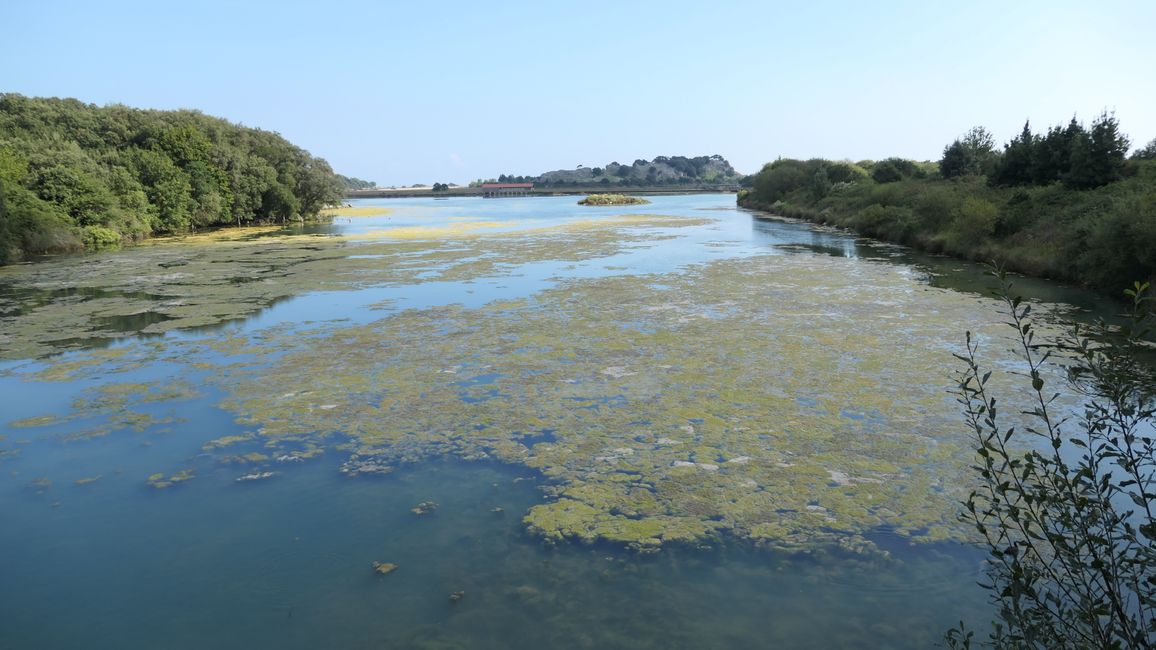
(407, 94)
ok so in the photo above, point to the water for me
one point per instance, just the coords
(91, 555)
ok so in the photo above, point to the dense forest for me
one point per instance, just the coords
(1066, 203)
(662, 171)
(78, 176)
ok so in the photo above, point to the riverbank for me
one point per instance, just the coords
(1103, 238)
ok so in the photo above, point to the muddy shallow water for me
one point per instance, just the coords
(651, 426)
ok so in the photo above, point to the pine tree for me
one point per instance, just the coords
(1015, 168)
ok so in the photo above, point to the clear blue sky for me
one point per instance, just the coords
(402, 93)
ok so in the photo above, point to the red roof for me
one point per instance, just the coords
(506, 186)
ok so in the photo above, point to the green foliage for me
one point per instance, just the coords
(662, 171)
(1101, 237)
(1147, 152)
(1066, 505)
(76, 175)
(971, 155)
(976, 219)
(351, 183)
(895, 169)
(1097, 156)
(99, 237)
(1081, 158)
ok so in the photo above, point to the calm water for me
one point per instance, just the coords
(287, 562)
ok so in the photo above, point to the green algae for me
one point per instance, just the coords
(161, 482)
(38, 421)
(785, 400)
(752, 399)
(205, 281)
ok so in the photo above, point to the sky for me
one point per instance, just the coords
(404, 93)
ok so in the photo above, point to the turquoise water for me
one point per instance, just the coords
(287, 561)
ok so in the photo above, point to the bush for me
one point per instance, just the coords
(99, 238)
(976, 219)
(1066, 506)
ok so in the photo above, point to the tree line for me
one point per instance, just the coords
(78, 176)
(662, 171)
(1080, 158)
(1068, 203)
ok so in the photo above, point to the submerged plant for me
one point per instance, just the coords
(1068, 511)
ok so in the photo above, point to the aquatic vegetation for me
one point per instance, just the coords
(207, 280)
(161, 482)
(356, 211)
(38, 421)
(612, 199)
(384, 568)
(224, 441)
(455, 229)
(677, 415)
(87, 480)
(782, 400)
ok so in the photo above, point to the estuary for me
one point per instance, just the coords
(493, 423)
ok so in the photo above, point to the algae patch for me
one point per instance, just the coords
(356, 211)
(750, 398)
(207, 280)
(791, 401)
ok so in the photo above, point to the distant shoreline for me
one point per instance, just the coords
(552, 191)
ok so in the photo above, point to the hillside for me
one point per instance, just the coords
(663, 170)
(78, 176)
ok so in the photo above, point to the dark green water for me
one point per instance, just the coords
(287, 562)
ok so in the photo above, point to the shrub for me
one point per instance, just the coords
(976, 219)
(1066, 506)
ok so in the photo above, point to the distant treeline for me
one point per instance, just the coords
(1065, 204)
(662, 171)
(351, 183)
(76, 176)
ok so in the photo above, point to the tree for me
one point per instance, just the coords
(101, 175)
(1068, 516)
(887, 171)
(317, 186)
(1052, 154)
(1098, 157)
(1147, 152)
(971, 155)
(1015, 168)
(957, 161)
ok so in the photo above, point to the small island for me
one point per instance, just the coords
(612, 199)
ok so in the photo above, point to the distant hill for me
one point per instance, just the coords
(663, 170)
(352, 183)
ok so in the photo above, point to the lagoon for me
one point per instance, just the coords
(668, 425)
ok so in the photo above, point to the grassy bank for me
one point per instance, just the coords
(1103, 238)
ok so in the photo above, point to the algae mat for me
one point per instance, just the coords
(789, 400)
(746, 398)
(207, 280)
